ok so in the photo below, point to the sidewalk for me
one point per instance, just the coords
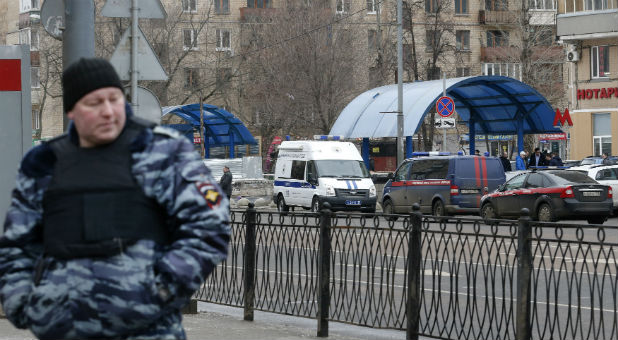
(226, 323)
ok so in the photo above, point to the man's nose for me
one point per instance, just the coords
(107, 108)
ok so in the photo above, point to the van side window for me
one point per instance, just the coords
(430, 169)
(298, 170)
(402, 173)
(311, 173)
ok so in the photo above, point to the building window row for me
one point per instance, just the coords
(572, 6)
(223, 37)
(512, 70)
(29, 5)
(543, 4)
(342, 6)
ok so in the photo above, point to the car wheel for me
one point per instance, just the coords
(545, 213)
(438, 209)
(315, 205)
(596, 220)
(488, 212)
(389, 210)
(281, 206)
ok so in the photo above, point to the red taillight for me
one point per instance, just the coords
(610, 193)
(567, 193)
(454, 190)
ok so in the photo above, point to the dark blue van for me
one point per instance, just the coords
(442, 185)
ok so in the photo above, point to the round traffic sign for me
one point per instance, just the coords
(445, 106)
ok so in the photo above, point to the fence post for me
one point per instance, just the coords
(324, 271)
(524, 274)
(413, 304)
(249, 263)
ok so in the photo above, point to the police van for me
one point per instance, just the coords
(442, 184)
(309, 173)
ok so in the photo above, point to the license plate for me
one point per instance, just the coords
(591, 193)
(468, 191)
(352, 202)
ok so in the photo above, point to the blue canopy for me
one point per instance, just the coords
(221, 127)
(488, 104)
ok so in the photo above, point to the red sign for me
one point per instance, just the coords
(445, 106)
(197, 140)
(606, 92)
(559, 117)
(552, 136)
(10, 75)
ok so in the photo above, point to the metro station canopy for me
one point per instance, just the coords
(487, 104)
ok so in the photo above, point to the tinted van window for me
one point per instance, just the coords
(402, 173)
(429, 169)
(298, 170)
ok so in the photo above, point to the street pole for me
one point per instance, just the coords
(134, 37)
(399, 82)
(78, 35)
(202, 134)
(443, 95)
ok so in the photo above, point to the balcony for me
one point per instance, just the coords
(541, 54)
(28, 19)
(494, 54)
(256, 14)
(497, 17)
(587, 25)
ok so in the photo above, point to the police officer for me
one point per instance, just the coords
(113, 226)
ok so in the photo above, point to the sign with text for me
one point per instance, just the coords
(601, 93)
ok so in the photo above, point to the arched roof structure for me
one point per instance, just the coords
(488, 104)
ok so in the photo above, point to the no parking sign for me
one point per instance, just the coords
(445, 106)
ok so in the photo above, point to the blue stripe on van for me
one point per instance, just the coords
(291, 184)
(348, 183)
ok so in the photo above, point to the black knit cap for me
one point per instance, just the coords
(84, 76)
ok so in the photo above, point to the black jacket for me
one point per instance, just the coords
(532, 160)
(226, 183)
(506, 164)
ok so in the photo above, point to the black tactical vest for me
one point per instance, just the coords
(93, 205)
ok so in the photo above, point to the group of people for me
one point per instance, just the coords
(538, 158)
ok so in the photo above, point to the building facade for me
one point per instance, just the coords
(589, 30)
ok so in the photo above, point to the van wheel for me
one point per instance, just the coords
(438, 209)
(488, 212)
(315, 205)
(545, 213)
(281, 206)
(388, 209)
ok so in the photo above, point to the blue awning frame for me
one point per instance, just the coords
(221, 128)
(488, 104)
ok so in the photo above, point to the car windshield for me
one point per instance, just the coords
(564, 177)
(587, 161)
(341, 168)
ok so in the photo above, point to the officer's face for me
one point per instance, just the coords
(99, 116)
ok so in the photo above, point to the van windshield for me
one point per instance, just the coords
(341, 168)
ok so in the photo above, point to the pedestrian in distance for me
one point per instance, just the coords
(556, 160)
(537, 159)
(112, 226)
(506, 163)
(520, 161)
(477, 152)
(226, 182)
(606, 160)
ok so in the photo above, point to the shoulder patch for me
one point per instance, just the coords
(160, 130)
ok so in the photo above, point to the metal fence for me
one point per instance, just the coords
(469, 279)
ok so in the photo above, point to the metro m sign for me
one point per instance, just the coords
(559, 117)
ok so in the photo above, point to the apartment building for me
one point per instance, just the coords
(205, 41)
(589, 30)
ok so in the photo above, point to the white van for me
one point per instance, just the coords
(309, 173)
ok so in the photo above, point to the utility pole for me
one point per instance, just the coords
(134, 37)
(399, 82)
(78, 35)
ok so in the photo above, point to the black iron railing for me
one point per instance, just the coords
(457, 278)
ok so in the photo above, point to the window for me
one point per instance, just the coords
(516, 182)
(192, 78)
(535, 180)
(36, 119)
(597, 5)
(224, 75)
(463, 40)
(497, 38)
(372, 40)
(432, 40)
(28, 5)
(502, 69)
(222, 6)
(602, 133)
(402, 173)
(431, 6)
(599, 59)
(461, 6)
(343, 6)
(606, 174)
(223, 40)
(29, 37)
(496, 5)
(543, 4)
(35, 81)
(189, 6)
(372, 6)
(298, 170)
(433, 73)
(189, 39)
(463, 72)
(259, 3)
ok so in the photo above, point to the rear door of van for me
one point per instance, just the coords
(471, 175)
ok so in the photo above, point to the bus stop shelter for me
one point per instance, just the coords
(486, 104)
(221, 128)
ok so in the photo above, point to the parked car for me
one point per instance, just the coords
(550, 195)
(604, 174)
(442, 185)
(597, 160)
